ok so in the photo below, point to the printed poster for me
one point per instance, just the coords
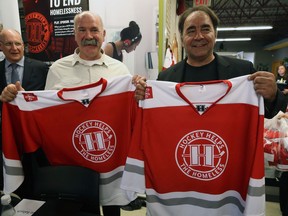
(49, 27)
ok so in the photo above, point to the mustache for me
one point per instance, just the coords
(86, 42)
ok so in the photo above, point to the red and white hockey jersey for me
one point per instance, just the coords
(197, 149)
(89, 126)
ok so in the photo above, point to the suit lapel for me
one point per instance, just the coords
(224, 69)
(178, 74)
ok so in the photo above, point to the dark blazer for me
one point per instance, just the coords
(34, 76)
(227, 68)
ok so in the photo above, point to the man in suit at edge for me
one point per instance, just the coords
(198, 30)
(31, 73)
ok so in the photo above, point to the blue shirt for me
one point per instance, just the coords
(8, 70)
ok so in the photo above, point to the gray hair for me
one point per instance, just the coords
(86, 13)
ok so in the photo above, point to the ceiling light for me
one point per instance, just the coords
(233, 39)
(244, 28)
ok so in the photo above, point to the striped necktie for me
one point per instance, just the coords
(14, 75)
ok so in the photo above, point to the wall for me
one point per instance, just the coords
(279, 54)
(9, 14)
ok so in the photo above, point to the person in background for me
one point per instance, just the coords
(31, 74)
(130, 39)
(87, 65)
(282, 79)
(198, 30)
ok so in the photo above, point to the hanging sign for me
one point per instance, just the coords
(201, 2)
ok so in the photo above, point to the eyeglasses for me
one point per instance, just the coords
(10, 44)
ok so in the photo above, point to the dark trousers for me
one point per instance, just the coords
(283, 193)
(111, 210)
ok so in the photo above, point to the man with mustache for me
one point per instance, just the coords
(86, 65)
(198, 31)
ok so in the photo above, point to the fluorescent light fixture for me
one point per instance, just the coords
(233, 39)
(247, 28)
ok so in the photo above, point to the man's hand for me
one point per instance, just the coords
(265, 84)
(285, 91)
(140, 83)
(10, 91)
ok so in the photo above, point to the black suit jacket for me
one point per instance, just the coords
(34, 76)
(227, 68)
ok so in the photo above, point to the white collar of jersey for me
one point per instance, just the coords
(83, 94)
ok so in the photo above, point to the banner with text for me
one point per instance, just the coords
(49, 27)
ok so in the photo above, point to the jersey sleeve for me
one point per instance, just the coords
(255, 198)
(19, 135)
(11, 135)
(133, 179)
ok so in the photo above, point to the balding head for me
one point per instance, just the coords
(78, 17)
(12, 45)
(7, 33)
